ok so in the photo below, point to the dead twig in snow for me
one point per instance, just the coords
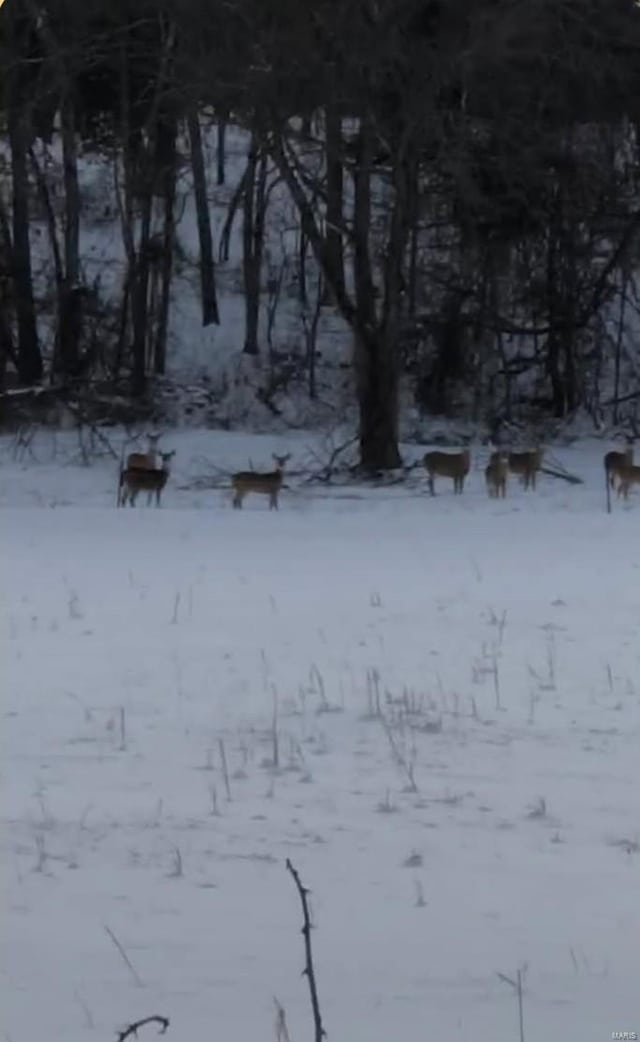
(125, 957)
(132, 1029)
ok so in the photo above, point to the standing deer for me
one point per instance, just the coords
(151, 480)
(265, 484)
(496, 474)
(455, 465)
(628, 475)
(615, 460)
(526, 465)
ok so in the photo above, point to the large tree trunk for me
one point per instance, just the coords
(29, 358)
(210, 314)
(376, 358)
(377, 383)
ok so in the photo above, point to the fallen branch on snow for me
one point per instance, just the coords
(564, 475)
(132, 1030)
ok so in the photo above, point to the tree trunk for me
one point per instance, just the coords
(335, 186)
(555, 376)
(142, 180)
(166, 158)
(375, 341)
(7, 347)
(210, 313)
(70, 300)
(254, 214)
(377, 384)
(29, 358)
(302, 268)
(250, 274)
(221, 150)
(414, 234)
(123, 323)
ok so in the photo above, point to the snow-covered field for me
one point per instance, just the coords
(451, 687)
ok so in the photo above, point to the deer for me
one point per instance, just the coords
(455, 465)
(145, 460)
(628, 474)
(615, 460)
(526, 465)
(496, 474)
(150, 480)
(265, 484)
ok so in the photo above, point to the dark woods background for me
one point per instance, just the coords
(465, 177)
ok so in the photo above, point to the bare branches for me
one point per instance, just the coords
(308, 971)
(132, 1030)
(328, 468)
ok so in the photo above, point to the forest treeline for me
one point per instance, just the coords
(465, 175)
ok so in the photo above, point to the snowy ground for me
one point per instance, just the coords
(492, 648)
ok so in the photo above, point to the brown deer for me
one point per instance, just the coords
(614, 461)
(455, 465)
(628, 475)
(150, 480)
(526, 465)
(496, 474)
(265, 484)
(145, 460)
